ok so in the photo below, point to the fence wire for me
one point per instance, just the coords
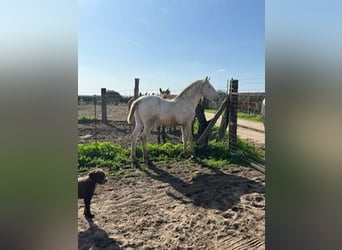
(251, 128)
(90, 108)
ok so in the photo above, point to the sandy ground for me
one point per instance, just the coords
(171, 205)
(177, 205)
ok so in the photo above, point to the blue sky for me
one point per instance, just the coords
(169, 44)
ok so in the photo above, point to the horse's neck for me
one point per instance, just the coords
(192, 95)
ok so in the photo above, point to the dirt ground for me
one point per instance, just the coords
(174, 205)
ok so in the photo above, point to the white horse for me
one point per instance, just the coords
(150, 111)
(263, 110)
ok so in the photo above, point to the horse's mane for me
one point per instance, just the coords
(188, 88)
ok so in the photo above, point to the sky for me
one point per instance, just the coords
(170, 44)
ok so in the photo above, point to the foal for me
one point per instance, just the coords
(149, 111)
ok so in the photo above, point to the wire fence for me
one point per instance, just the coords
(90, 108)
(249, 103)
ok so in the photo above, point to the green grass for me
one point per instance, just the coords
(250, 117)
(102, 154)
(217, 154)
(113, 156)
(86, 119)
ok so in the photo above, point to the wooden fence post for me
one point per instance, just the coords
(248, 101)
(224, 121)
(234, 98)
(104, 104)
(136, 88)
(95, 130)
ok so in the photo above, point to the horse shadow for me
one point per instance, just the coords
(113, 126)
(96, 238)
(216, 190)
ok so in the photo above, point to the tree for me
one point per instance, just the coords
(114, 97)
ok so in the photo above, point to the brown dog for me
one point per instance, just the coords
(86, 188)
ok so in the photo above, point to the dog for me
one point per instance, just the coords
(86, 188)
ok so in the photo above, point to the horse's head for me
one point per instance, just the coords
(164, 93)
(209, 91)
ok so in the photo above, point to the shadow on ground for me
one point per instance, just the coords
(96, 238)
(216, 190)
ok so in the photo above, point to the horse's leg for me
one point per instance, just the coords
(184, 139)
(145, 135)
(133, 124)
(188, 138)
(137, 130)
(144, 145)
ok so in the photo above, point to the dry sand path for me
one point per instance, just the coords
(254, 132)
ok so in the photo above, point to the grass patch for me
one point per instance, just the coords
(250, 117)
(86, 119)
(164, 152)
(217, 154)
(102, 154)
(113, 156)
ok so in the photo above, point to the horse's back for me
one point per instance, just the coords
(163, 111)
(148, 105)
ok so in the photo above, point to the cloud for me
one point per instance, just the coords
(221, 70)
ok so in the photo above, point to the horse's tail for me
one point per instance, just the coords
(131, 112)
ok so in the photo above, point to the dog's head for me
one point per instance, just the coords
(98, 176)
